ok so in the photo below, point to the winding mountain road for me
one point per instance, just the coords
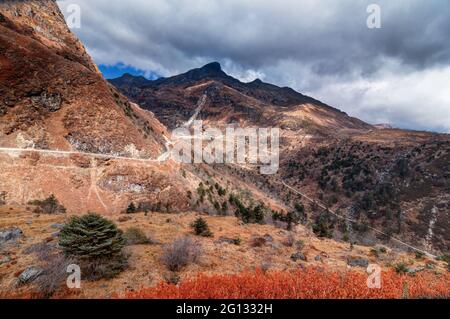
(165, 156)
(354, 221)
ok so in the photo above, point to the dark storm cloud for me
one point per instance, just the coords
(317, 46)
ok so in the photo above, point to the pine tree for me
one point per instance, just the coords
(258, 213)
(131, 209)
(91, 237)
(201, 228)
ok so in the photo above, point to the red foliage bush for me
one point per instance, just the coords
(312, 283)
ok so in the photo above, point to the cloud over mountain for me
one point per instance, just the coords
(323, 48)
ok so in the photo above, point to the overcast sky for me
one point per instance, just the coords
(399, 74)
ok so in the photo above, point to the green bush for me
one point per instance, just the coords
(135, 236)
(96, 243)
(201, 228)
(419, 255)
(2, 198)
(237, 241)
(131, 209)
(248, 214)
(201, 192)
(324, 225)
(445, 257)
(401, 268)
(49, 205)
(289, 218)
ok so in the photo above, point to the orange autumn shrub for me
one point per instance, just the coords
(311, 283)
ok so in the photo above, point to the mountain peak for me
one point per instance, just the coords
(127, 76)
(212, 67)
(211, 70)
(256, 81)
(130, 79)
(131, 76)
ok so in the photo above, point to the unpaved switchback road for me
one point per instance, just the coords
(11, 151)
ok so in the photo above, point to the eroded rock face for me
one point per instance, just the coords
(105, 187)
(49, 101)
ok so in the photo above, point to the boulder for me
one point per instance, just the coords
(416, 270)
(268, 238)
(227, 240)
(29, 274)
(298, 256)
(57, 226)
(257, 241)
(123, 219)
(357, 262)
(10, 234)
(5, 259)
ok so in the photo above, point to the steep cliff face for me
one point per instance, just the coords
(52, 98)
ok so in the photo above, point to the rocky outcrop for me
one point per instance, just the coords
(298, 256)
(29, 275)
(7, 235)
(357, 262)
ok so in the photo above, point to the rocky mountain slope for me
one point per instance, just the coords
(388, 179)
(66, 131)
(54, 98)
(231, 101)
(52, 94)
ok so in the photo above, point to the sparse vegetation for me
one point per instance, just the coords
(49, 206)
(201, 192)
(180, 253)
(248, 214)
(171, 277)
(201, 228)
(54, 274)
(290, 218)
(324, 225)
(2, 198)
(419, 255)
(136, 236)
(131, 209)
(401, 268)
(445, 257)
(257, 241)
(289, 241)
